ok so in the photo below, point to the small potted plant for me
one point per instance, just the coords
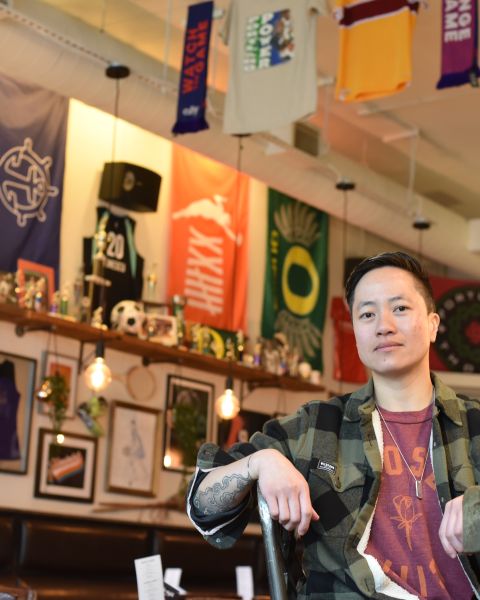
(54, 393)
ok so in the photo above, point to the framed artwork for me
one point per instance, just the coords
(240, 428)
(133, 449)
(17, 384)
(162, 329)
(30, 270)
(68, 367)
(188, 421)
(65, 471)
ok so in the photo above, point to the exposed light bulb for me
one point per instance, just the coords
(44, 392)
(167, 461)
(97, 375)
(227, 406)
(60, 438)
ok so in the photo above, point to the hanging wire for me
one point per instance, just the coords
(238, 182)
(344, 256)
(212, 91)
(412, 168)
(103, 18)
(166, 49)
(420, 245)
(115, 119)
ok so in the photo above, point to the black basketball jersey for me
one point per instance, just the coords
(123, 265)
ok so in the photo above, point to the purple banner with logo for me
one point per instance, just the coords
(459, 43)
(33, 125)
(193, 80)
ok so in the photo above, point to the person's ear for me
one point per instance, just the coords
(434, 319)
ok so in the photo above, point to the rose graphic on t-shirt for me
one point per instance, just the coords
(406, 515)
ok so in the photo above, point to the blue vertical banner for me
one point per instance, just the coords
(33, 125)
(193, 78)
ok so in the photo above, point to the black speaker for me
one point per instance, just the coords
(130, 186)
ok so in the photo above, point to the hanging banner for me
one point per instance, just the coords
(459, 43)
(33, 127)
(457, 347)
(208, 242)
(295, 294)
(346, 362)
(193, 78)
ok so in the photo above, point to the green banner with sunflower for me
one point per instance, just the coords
(295, 295)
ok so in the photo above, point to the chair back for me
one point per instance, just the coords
(275, 560)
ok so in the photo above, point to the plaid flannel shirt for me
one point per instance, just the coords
(336, 445)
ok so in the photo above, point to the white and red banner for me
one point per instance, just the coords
(208, 244)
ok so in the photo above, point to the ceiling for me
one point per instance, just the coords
(65, 45)
(381, 135)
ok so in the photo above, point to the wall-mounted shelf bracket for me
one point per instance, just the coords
(21, 329)
(146, 361)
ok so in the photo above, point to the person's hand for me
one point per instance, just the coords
(285, 491)
(451, 527)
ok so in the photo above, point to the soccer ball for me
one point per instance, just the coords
(129, 317)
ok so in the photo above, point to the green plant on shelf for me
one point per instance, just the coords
(54, 393)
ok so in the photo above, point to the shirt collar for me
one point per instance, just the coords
(446, 400)
(362, 402)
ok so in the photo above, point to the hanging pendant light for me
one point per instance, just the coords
(227, 406)
(97, 375)
(44, 392)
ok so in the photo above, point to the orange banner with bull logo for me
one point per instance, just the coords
(208, 242)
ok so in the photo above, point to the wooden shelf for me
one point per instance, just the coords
(27, 320)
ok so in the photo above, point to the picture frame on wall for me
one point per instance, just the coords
(240, 428)
(65, 471)
(17, 385)
(133, 449)
(67, 366)
(188, 421)
(28, 270)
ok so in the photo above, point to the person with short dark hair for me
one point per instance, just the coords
(383, 484)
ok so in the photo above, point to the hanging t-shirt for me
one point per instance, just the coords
(375, 47)
(273, 78)
(123, 265)
(9, 399)
(404, 537)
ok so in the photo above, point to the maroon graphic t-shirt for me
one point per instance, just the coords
(404, 536)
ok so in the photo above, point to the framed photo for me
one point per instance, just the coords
(30, 270)
(188, 421)
(240, 428)
(68, 367)
(17, 384)
(65, 471)
(133, 449)
(162, 329)
(7, 288)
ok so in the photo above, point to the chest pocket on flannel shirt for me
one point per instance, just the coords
(337, 498)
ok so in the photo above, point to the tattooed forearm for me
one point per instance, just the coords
(223, 495)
